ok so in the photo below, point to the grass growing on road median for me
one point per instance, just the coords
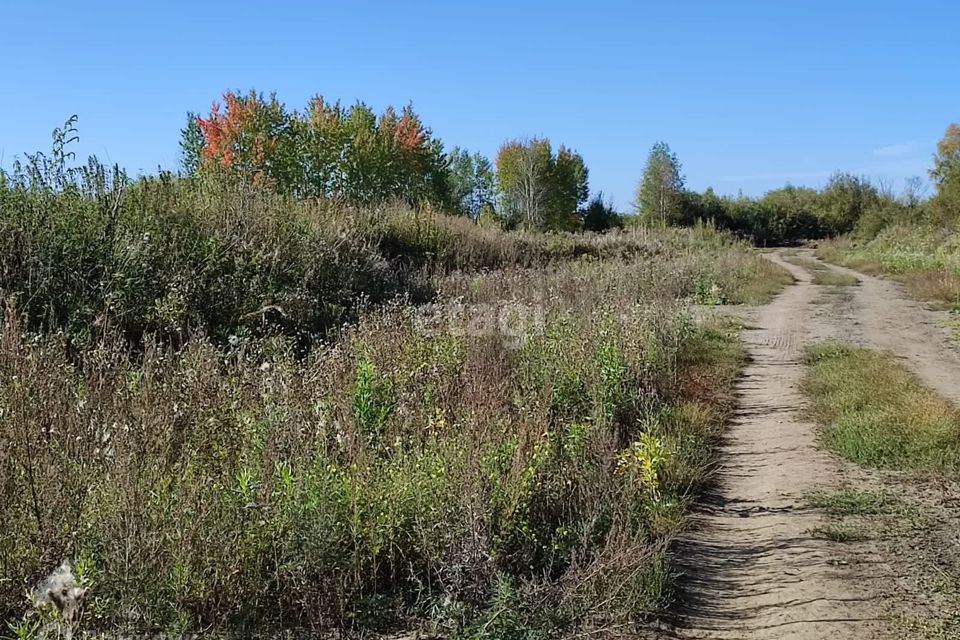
(834, 279)
(877, 413)
(804, 262)
(822, 274)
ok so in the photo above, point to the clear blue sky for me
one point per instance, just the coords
(750, 95)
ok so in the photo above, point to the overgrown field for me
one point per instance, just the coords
(84, 251)
(401, 473)
(235, 411)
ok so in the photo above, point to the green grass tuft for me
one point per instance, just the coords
(877, 413)
(835, 279)
(839, 533)
(850, 502)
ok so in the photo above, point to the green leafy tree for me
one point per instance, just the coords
(323, 140)
(538, 189)
(472, 182)
(523, 177)
(327, 151)
(569, 188)
(659, 196)
(705, 207)
(191, 145)
(945, 175)
(844, 201)
(363, 162)
(788, 214)
(946, 162)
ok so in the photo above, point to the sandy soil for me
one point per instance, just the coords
(753, 564)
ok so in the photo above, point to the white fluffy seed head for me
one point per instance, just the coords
(61, 591)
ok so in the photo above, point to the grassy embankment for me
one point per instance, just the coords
(925, 257)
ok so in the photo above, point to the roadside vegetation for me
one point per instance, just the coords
(853, 502)
(401, 475)
(877, 413)
(874, 412)
(925, 256)
(914, 240)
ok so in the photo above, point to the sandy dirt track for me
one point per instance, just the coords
(752, 564)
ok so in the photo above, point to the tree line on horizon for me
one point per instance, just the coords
(847, 203)
(355, 156)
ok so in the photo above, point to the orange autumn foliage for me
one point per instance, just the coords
(243, 134)
(326, 151)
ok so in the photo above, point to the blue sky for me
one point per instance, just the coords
(750, 95)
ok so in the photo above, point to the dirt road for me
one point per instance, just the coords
(753, 564)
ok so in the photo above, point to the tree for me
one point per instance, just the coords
(327, 151)
(539, 189)
(659, 196)
(569, 188)
(704, 207)
(250, 136)
(191, 145)
(914, 192)
(323, 140)
(523, 171)
(946, 162)
(945, 175)
(416, 166)
(472, 182)
(599, 215)
(363, 161)
(844, 201)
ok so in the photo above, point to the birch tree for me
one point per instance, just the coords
(659, 196)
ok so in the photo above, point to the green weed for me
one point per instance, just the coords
(840, 533)
(850, 502)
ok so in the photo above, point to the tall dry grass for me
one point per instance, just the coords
(88, 251)
(399, 475)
